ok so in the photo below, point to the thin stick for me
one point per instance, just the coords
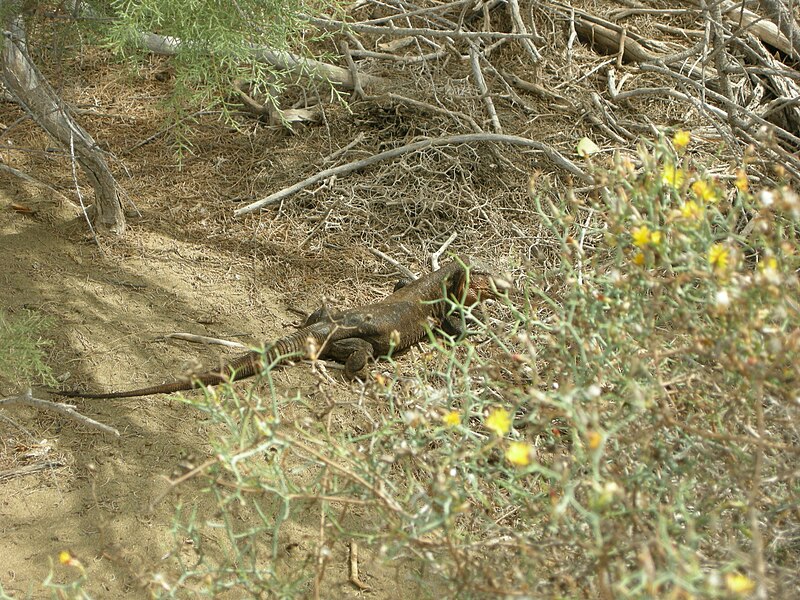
(161, 132)
(455, 115)
(202, 339)
(67, 410)
(354, 579)
(519, 27)
(28, 178)
(483, 89)
(551, 153)
(393, 262)
(84, 210)
(438, 254)
(344, 50)
(280, 59)
(344, 149)
(336, 26)
(29, 469)
(754, 499)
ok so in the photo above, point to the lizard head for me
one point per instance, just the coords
(478, 284)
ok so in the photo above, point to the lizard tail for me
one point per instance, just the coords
(241, 368)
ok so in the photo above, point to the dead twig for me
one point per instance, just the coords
(67, 410)
(345, 149)
(29, 469)
(344, 50)
(438, 254)
(28, 178)
(161, 132)
(787, 39)
(519, 27)
(419, 104)
(333, 25)
(354, 578)
(202, 339)
(483, 89)
(280, 59)
(403, 270)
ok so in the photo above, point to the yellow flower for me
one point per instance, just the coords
(519, 454)
(741, 181)
(681, 139)
(499, 422)
(638, 259)
(769, 270)
(705, 191)
(718, 257)
(642, 236)
(452, 418)
(739, 584)
(672, 177)
(691, 211)
(594, 438)
(769, 264)
(66, 558)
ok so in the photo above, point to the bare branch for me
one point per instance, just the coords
(67, 410)
(202, 339)
(280, 59)
(438, 254)
(404, 270)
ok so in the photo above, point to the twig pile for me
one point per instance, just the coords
(547, 72)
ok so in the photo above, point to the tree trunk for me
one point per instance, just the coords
(32, 91)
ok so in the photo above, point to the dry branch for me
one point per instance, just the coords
(202, 339)
(28, 178)
(551, 153)
(67, 410)
(35, 94)
(280, 59)
(29, 469)
(483, 89)
(396, 264)
(786, 34)
(442, 249)
(610, 38)
(334, 26)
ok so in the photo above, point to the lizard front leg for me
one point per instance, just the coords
(355, 353)
(453, 325)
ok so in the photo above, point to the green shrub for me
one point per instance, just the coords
(22, 349)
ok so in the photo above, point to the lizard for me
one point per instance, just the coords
(357, 335)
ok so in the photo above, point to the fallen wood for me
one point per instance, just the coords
(280, 59)
(67, 410)
(202, 339)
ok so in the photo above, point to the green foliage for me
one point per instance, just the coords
(218, 45)
(217, 42)
(22, 348)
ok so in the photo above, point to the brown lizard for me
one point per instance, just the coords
(356, 335)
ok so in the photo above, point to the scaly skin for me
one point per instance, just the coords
(353, 336)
